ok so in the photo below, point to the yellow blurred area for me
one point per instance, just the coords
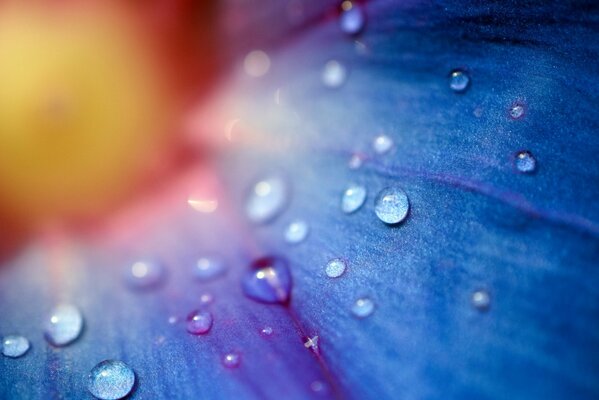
(83, 110)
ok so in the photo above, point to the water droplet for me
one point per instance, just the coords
(256, 63)
(14, 346)
(64, 325)
(481, 300)
(209, 268)
(318, 386)
(391, 205)
(363, 307)
(382, 144)
(334, 74)
(144, 274)
(296, 231)
(231, 360)
(111, 380)
(199, 322)
(173, 319)
(335, 268)
(459, 80)
(268, 281)
(355, 161)
(206, 298)
(516, 111)
(353, 198)
(352, 18)
(311, 343)
(267, 199)
(266, 331)
(525, 162)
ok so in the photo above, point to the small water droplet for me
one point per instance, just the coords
(111, 380)
(256, 63)
(173, 320)
(335, 268)
(481, 300)
(206, 298)
(525, 162)
(268, 281)
(199, 322)
(352, 18)
(296, 231)
(334, 74)
(64, 325)
(14, 346)
(459, 80)
(267, 331)
(311, 343)
(382, 144)
(232, 360)
(267, 199)
(391, 205)
(516, 111)
(353, 198)
(355, 161)
(209, 267)
(144, 274)
(363, 307)
(318, 386)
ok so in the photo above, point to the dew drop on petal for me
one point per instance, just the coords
(14, 346)
(318, 386)
(516, 111)
(256, 63)
(206, 298)
(267, 199)
(296, 231)
(111, 380)
(334, 74)
(311, 343)
(353, 198)
(355, 161)
(481, 300)
(525, 162)
(268, 281)
(199, 322)
(391, 205)
(143, 274)
(64, 325)
(459, 80)
(209, 267)
(335, 268)
(352, 18)
(231, 360)
(363, 307)
(382, 144)
(267, 331)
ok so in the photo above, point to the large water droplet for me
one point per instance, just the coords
(209, 267)
(352, 18)
(267, 199)
(144, 274)
(268, 281)
(296, 231)
(111, 380)
(14, 346)
(382, 144)
(335, 268)
(517, 110)
(391, 205)
(459, 81)
(199, 322)
(481, 300)
(363, 307)
(353, 198)
(525, 162)
(334, 74)
(232, 360)
(64, 325)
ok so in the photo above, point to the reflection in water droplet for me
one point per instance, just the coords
(335, 268)
(481, 300)
(296, 231)
(382, 144)
(231, 360)
(352, 18)
(14, 346)
(64, 325)
(516, 111)
(525, 162)
(111, 380)
(268, 281)
(266, 331)
(391, 205)
(144, 274)
(206, 298)
(209, 267)
(459, 81)
(256, 63)
(267, 199)
(353, 198)
(334, 74)
(312, 344)
(363, 307)
(199, 322)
